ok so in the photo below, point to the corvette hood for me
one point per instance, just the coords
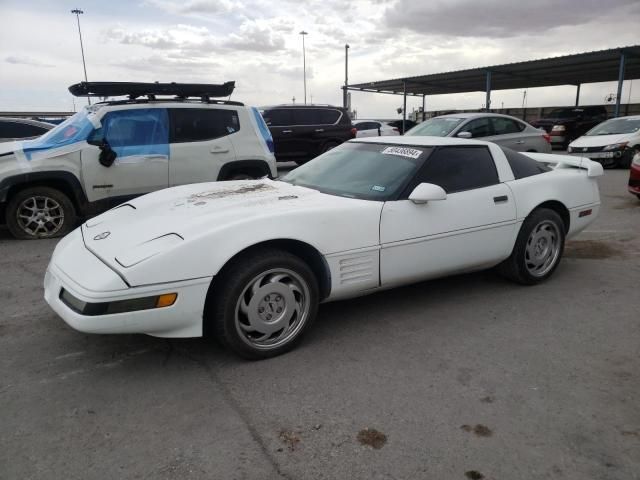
(600, 140)
(156, 223)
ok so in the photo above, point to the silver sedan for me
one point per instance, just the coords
(504, 130)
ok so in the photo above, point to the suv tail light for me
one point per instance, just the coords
(354, 132)
(547, 137)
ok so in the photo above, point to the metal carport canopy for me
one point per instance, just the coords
(590, 67)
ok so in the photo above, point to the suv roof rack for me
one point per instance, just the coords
(136, 89)
(176, 99)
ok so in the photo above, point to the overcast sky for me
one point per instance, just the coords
(256, 43)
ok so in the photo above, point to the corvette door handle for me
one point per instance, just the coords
(501, 199)
(519, 142)
(319, 129)
(286, 131)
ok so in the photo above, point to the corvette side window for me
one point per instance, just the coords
(457, 169)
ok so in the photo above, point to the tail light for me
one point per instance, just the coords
(354, 131)
(547, 137)
(396, 130)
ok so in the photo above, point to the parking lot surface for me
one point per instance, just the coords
(466, 377)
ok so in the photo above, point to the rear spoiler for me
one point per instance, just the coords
(594, 169)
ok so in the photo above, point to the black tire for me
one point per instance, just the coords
(516, 266)
(224, 318)
(48, 222)
(627, 157)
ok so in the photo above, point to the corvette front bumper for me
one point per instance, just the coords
(94, 283)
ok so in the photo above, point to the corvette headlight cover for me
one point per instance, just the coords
(119, 306)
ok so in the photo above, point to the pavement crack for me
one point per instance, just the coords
(244, 417)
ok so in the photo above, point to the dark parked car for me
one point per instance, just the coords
(21, 129)
(566, 124)
(408, 125)
(302, 132)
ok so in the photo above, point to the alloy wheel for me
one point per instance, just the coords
(543, 248)
(272, 309)
(40, 216)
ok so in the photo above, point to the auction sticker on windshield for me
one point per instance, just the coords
(402, 152)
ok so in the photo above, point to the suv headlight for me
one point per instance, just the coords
(558, 128)
(616, 146)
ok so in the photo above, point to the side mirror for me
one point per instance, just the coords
(427, 192)
(107, 155)
(464, 135)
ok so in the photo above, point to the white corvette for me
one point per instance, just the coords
(249, 261)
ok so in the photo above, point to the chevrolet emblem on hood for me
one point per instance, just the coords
(102, 236)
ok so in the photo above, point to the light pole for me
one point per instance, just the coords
(346, 75)
(304, 66)
(77, 13)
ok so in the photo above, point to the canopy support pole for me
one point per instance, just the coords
(488, 91)
(424, 112)
(578, 95)
(404, 104)
(620, 80)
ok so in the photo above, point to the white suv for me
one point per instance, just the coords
(113, 151)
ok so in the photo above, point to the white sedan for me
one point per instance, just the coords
(374, 128)
(249, 261)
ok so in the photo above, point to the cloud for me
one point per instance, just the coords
(499, 19)
(255, 36)
(252, 36)
(168, 63)
(176, 37)
(23, 60)
(195, 7)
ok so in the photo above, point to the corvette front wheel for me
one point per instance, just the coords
(266, 300)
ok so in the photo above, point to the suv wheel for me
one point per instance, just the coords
(40, 212)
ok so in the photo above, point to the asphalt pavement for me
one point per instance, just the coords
(470, 377)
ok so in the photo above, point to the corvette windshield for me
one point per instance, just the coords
(435, 127)
(367, 171)
(616, 126)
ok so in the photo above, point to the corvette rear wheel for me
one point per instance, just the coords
(538, 248)
(264, 303)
